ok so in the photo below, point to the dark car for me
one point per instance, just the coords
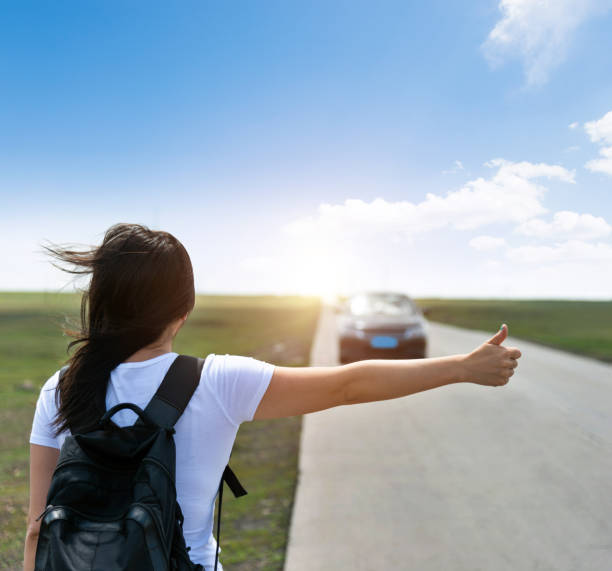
(381, 325)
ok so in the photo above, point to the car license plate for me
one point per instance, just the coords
(383, 342)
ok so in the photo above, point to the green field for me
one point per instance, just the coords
(276, 329)
(583, 327)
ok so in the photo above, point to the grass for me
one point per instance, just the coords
(275, 329)
(581, 327)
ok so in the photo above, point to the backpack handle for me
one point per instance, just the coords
(110, 412)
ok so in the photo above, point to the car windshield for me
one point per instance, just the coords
(381, 304)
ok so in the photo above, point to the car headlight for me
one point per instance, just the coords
(411, 332)
(350, 328)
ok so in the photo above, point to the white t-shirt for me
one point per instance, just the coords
(229, 392)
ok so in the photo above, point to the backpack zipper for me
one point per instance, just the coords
(72, 462)
(109, 519)
(160, 533)
(158, 463)
(45, 511)
(85, 516)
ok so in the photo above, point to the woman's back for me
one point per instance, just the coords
(229, 392)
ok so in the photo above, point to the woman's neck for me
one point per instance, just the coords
(159, 347)
(150, 352)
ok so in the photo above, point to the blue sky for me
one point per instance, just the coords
(315, 147)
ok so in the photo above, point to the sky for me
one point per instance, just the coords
(448, 149)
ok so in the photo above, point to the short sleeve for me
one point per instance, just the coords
(238, 384)
(42, 431)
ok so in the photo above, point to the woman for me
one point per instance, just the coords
(140, 294)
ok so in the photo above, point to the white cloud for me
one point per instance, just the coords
(509, 196)
(529, 170)
(573, 125)
(457, 167)
(570, 251)
(565, 225)
(600, 131)
(485, 243)
(538, 32)
(418, 247)
(602, 164)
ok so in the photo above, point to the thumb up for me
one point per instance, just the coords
(500, 336)
(490, 364)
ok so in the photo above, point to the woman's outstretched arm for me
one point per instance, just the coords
(300, 390)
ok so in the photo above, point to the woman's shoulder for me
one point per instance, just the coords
(230, 364)
(47, 391)
(237, 383)
(51, 383)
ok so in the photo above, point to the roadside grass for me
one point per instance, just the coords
(277, 329)
(581, 327)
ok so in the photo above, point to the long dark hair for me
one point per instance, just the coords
(141, 281)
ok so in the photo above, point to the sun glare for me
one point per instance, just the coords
(317, 271)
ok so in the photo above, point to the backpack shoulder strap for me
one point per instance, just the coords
(175, 391)
(172, 397)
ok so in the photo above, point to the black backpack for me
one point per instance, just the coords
(112, 500)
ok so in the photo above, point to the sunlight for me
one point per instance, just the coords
(318, 269)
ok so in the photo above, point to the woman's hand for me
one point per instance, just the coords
(491, 364)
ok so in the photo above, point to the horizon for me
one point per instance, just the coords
(325, 299)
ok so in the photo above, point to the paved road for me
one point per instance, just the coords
(462, 477)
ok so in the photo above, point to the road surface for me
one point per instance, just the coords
(462, 477)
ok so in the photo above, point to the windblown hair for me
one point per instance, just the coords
(141, 281)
